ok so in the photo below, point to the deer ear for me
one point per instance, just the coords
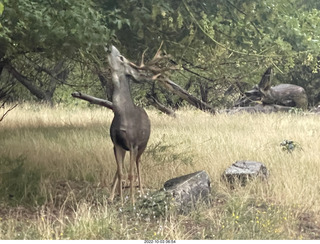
(265, 82)
(107, 49)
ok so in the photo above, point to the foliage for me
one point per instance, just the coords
(221, 46)
(18, 184)
(1, 8)
(163, 153)
(156, 204)
(220, 43)
(288, 146)
(53, 28)
(43, 41)
(254, 219)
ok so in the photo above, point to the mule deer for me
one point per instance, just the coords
(130, 128)
(283, 94)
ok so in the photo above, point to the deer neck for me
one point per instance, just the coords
(121, 99)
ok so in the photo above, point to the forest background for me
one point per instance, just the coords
(57, 163)
(51, 48)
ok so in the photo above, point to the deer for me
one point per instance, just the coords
(130, 127)
(283, 94)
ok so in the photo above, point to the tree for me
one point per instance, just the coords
(4, 88)
(220, 46)
(41, 41)
(220, 43)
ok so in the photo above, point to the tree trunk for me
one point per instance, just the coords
(40, 94)
(204, 90)
(56, 74)
(106, 84)
(2, 64)
(186, 88)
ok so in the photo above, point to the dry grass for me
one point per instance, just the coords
(57, 165)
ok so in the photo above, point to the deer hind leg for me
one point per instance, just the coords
(119, 154)
(139, 174)
(133, 158)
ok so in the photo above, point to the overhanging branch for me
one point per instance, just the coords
(93, 100)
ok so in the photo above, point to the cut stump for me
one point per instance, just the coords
(243, 171)
(188, 190)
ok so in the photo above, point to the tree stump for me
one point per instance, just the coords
(189, 190)
(243, 171)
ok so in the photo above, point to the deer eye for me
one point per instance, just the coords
(121, 58)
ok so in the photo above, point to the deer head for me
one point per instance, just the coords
(156, 68)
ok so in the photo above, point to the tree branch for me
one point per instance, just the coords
(192, 72)
(27, 83)
(178, 90)
(154, 102)
(6, 112)
(93, 100)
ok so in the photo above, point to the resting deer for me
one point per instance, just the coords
(284, 94)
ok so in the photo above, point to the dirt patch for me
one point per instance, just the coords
(309, 225)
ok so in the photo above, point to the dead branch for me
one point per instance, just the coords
(93, 100)
(8, 110)
(105, 103)
(178, 90)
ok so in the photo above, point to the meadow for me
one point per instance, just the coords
(57, 166)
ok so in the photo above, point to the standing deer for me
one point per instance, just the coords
(283, 94)
(130, 128)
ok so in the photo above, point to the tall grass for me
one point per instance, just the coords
(57, 165)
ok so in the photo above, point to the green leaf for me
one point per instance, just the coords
(1, 8)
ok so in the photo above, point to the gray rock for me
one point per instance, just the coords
(189, 190)
(242, 171)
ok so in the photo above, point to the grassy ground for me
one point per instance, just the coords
(57, 164)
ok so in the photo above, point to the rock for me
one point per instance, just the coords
(242, 171)
(189, 190)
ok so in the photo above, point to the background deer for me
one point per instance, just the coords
(283, 94)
